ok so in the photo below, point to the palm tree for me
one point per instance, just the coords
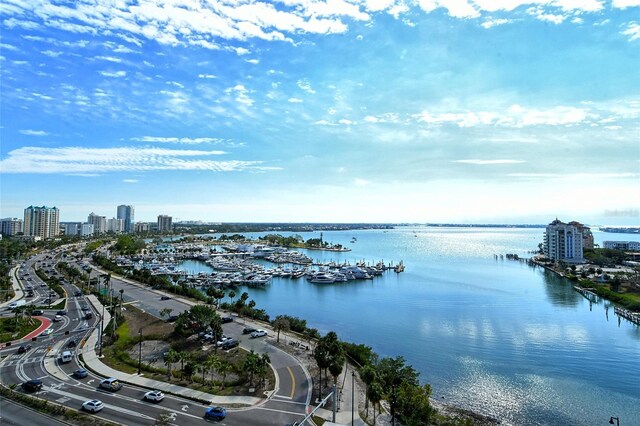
(183, 356)
(213, 363)
(368, 374)
(232, 294)
(251, 365)
(281, 324)
(374, 394)
(251, 305)
(172, 356)
(223, 368)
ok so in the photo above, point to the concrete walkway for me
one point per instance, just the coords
(17, 288)
(93, 362)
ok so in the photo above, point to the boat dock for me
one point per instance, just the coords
(634, 317)
(587, 293)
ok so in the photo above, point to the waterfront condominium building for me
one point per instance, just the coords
(99, 223)
(125, 213)
(115, 225)
(622, 245)
(141, 227)
(11, 226)
(563, 241)
(164, 223)
(41, 222)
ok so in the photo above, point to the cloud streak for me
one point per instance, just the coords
(102, 160)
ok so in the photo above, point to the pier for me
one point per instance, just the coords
(634, 317)
(587, 293)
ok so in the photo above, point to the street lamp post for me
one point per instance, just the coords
(353, 387)
(139, 350)
(617, 420)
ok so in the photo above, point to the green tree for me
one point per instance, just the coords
(369, 375)
(251, 365)
(232, 295)
(280, 324)
(375, 394)
(172, 357)
(183, 356)
(223, 368)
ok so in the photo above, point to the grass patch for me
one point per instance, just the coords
(16, 328)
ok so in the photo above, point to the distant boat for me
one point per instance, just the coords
(354, 239)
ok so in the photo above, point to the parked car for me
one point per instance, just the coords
(24, 348)
(32, 385)
(80, 373)
(227, 319)
(30, 294)
(248, 330)
(222, 340)
(93, 405)
(230, 343)
(111, 384)
(258, 333)
(154, 395)
(215, 413)
(165, 297)
(172, 318)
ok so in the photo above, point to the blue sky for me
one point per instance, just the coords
(343, 111)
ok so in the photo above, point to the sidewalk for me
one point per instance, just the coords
(343, 415)
(92, 361)
(17, 288)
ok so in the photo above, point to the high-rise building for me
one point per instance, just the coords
(11, 226)
(126, 213)
(587, 236)
(141, 227)
(563, 242)
(41, 222)
(115, 225)
(86, 229)
(164, 223)
(99, 223)
(71, 228)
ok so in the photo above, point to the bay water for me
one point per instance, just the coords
(491, 335)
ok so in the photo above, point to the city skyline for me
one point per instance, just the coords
(381, 111)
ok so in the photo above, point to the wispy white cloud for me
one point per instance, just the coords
(109, 59)
(34, 132)
(632, 31)
(114, 74)
(206, 76)
(494, 22)
(306, 86)
(130, 180)
(253, 61)
(241, 94)
(575, 175)
(623, 4)
(295, 100)
(102, 160)
(190, 141)
(489, 162)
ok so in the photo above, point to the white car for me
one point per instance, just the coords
(57, 318)
(93, 405)
(221, 341)
(47, 332)
(154, 395)
(258, 333)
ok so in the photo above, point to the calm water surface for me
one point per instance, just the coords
(494, 336)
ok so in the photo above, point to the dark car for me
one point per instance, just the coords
(72, 343)
(24, 348)
(86, 308)
(172, 318)
(165, 298)
(216, 413)
(78, 294)
(230, 343)
(227, 319)
(248, 330)
(80, 373)
(62, 312)
(37, 312)
(88, 316)
(32, 385)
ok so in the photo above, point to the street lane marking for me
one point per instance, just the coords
(293, 382)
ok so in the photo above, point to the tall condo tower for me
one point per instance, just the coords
(125, 212)
(42, 222)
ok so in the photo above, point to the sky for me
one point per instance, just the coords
(467, 111)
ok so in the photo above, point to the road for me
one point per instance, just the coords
(127, 405)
